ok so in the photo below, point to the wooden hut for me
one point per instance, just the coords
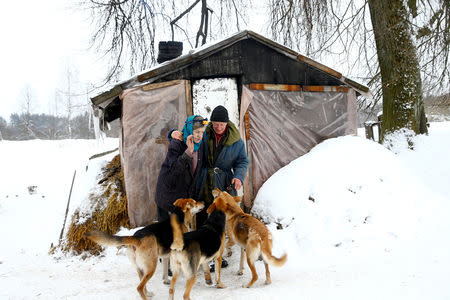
(283, 102)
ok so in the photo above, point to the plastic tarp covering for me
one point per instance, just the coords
(285, 125)
(148, 114)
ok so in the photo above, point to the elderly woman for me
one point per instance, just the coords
(181, 167)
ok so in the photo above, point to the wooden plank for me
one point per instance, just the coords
(319, 66)
(189, 108)
(247, 125)
(105, 96)
(356, 85)
(165, 68)
(272, 44)
(323, 88)
(154, 86)
(275, 87)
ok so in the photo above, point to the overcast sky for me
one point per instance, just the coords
(39, 39)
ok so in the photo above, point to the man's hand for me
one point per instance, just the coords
(176, 134)
(190, 143)
(237, 183)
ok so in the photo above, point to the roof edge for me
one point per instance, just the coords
(197, 54)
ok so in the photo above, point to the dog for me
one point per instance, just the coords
(196, 248)
(250, 234)
(151, 242)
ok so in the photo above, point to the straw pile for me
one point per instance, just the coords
(107, 213)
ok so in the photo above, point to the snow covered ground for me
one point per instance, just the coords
(359, 222)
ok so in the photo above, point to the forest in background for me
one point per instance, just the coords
(48, 127)
(26, 126)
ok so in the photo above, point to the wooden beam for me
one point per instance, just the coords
(275, 87)
(319, 66)
(356, 85)
(154, 86)
(105, 96)
(247, 125)
(189, 108)
(324, 88)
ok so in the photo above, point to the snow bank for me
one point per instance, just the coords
(346, 191)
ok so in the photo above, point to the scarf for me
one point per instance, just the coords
(188, 130)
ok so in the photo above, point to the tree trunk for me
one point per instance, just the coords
(399, 67)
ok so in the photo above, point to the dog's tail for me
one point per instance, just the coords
(105, 239)
(266, 245)
(272, 260)
(178, 242)
(266, 251)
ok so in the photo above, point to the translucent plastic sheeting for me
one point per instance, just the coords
(286, 125)
(148, 113)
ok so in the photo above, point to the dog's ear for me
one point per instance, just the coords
(211, 208)
(237, 199)
(215, 192)
(182, 204)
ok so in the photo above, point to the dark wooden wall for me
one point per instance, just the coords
(248, 61)
(254, 62)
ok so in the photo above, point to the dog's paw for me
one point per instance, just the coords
(177, 245)
(208, 281)
(267, 282)
(166, 281)
(149, 294)
(240, 273)
(220, 285)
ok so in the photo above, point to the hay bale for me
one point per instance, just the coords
(108, 211)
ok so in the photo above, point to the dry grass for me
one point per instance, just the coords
(107, 218)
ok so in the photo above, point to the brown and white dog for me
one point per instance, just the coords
(250, 234)
(196, 248)
(150, 242)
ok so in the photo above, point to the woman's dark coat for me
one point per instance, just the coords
(175, 179)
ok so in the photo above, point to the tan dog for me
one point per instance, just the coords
(250, 234)
(196, 248)
(150, 242)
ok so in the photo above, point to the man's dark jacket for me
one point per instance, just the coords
(229, 160)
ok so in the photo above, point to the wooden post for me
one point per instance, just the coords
(67, 207)
(369, 130)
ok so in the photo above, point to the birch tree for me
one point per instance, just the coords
(27, 106)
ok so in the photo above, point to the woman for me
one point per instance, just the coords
(180, 168)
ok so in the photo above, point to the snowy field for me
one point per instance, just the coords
(359, 222)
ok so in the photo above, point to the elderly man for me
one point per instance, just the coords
(224, 159)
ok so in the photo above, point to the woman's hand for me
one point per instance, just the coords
(190, 143)
(176, 134)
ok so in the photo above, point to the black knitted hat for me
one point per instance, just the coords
(219, 114)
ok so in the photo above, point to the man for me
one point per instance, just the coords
(224, 162)
(224, 159)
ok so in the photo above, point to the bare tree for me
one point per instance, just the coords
(126, 30)
(390, 43)
(27, 107)
(71, 95)
(3, 128)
